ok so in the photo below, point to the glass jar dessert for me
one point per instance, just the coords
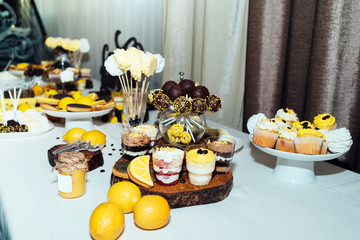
(71, 168)
(134, 144)
(224, 151)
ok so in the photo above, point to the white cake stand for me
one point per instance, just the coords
(78, 119)
(294, 167)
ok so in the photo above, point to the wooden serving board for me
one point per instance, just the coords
(184, 194)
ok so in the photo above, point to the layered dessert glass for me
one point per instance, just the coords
(224, 151)
(167, 163)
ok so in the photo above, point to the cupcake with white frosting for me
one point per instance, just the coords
(287, 114)
(266, 133)
(339, 140)
(285, 141)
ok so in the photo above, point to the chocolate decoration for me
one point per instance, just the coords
(153, 94)
(325, 117)
(161, 102)
(285, 111)
(182, 105)
(198, 106)
(168, 85)
(61, 96)
(199, 92)
(175, 91)
(188, 85)
(213, 103)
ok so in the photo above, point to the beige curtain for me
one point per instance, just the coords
(206, 39)
(305, 55)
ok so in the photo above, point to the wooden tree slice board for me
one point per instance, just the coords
(184, 194)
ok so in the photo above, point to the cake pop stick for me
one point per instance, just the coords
(188, 129)
(2, 100)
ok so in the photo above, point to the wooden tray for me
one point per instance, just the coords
(184, 194)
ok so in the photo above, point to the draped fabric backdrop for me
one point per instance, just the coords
(304, 55)
(98, 21)
(207, 41)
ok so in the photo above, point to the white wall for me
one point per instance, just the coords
(98, 20)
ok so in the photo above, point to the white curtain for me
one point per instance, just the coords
(98, 21)
(206, 39)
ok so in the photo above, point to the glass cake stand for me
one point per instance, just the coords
(294, 167)
(78, 119)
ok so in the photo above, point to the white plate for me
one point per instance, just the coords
(17, 72)
(77, 115)
(26, 134)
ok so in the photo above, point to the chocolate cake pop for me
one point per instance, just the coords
(182, 105)
(152, 94)
(213, 103)
(161, 102)
(188, 85)
(199, 92)
(198, 106)
(175, 91)
(168, 85)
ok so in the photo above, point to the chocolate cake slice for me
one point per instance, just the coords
(93, 159)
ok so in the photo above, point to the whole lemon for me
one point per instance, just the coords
(65, 101)
(94, 136)
(125, 194)
(106, 221)
(38, 90)
(151, 212)
(85, 100)
(74, 134)
(23, 107)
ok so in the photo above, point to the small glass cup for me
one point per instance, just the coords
(224, 150)
(167, 164)
(72, 185)
(134, 144)
(200, 163)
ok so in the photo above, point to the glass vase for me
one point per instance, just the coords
(181, 130)
(135, 103)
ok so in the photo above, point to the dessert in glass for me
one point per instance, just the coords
(167, 163)
(224, 151)
(134, 144)
(200, 163)
(71, 168)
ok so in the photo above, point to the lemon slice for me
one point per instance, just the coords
(139, 172)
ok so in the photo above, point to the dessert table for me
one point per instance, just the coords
(259, 206)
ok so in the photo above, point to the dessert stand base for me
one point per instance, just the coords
(85, 123)
(184, 194)
(298, 172)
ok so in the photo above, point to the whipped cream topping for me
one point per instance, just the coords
(70, 161)
(32, 118)
(288, 134)
(288, 115)
(268, 125)
(281, 123)
(253, 120)
(339, 140)
(111, 67)
(149, 130)
(168, 154)
(84, 45)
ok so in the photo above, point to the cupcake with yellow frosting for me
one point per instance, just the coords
(308, 141)
(324, 121)
(200, 163)
(285, 141)
(287, 114)
(266, 133)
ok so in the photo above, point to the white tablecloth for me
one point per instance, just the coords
(258, 207)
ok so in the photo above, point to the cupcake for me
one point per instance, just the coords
(200, 163)
(285, 141)
(287, 114)
(266, 133)
(134, 144)
(308, 141)
(167, 163)
(224, 151)
(324, 121)
(324, 145)
(339, 140)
